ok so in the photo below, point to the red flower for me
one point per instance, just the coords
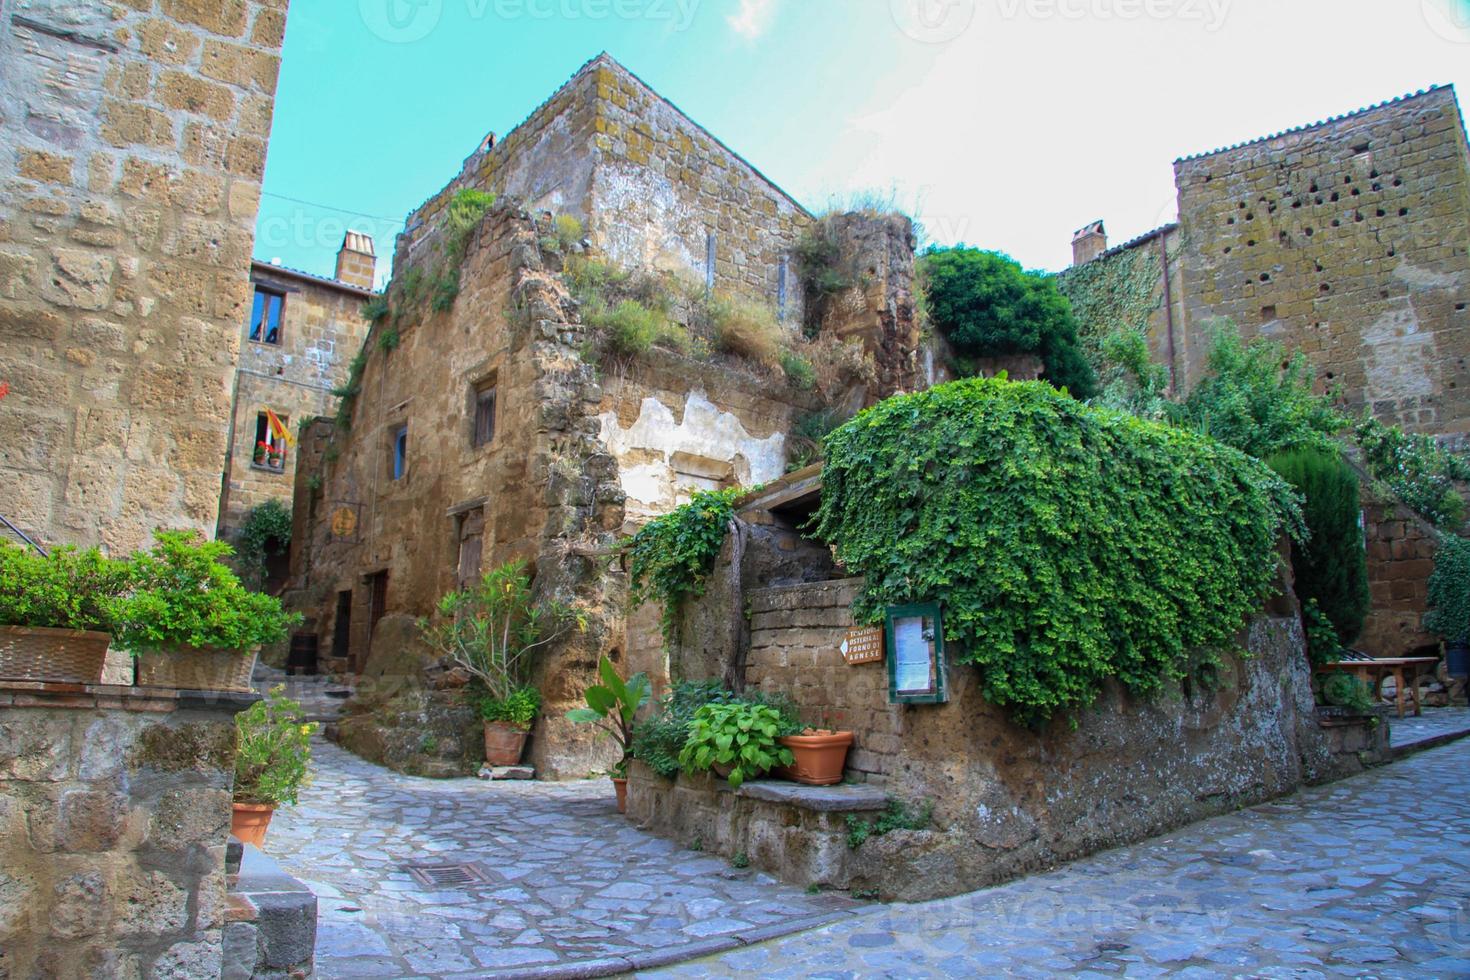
(4, 388)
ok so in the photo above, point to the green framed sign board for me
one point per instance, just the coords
(916, 668)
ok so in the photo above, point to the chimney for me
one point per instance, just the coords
(1089, 243)
(356, 262)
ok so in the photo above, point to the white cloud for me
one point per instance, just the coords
(752, 19)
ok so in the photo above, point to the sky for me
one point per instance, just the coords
(1003, 124)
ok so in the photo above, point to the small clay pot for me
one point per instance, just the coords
(819, 758)
(249, 822)
(504, 743)
(620, 786)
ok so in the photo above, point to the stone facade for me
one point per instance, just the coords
(321, 328)
(114, 812)
(132, 145)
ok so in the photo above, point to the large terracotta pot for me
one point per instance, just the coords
(504, 743)
(620, 787)
(196, 669)
(38, 653)
(249, 822)
(820, 757)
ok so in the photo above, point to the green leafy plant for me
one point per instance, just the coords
(376, 308)
(986, 305)
(898, 815)
(494, 629)
(1449, 591)
(348, 392)
(389, 340)
(67, 589)
(1068, 544)
(183, 595)
(747, 329)
(740, 860)
(1331, 565)
(631, 328)
(1346, 691)
(566, 234)
(1416, 470)
(737, 735)
(658, 740)
(799, 371)
(671, 556)
(612, 706)
(804, 444)
(519, 709)
(273, 751)
(1323, 644)
(1258, 399)
(822, 271)
(1113, 295)
(1132, 382)
(265, 532)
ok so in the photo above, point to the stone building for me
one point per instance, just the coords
(479, 430)
(132, 144)
(1347, 240)
(296, 346)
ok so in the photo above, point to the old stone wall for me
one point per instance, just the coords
(132, 146)
(322, 329)
(1400, 559)
(114, 813)
(1348, 240)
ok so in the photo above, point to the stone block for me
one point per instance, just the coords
(35, 749)
(50, 168)
(224, 17)
(189, 960)
(80, 904)
(149, 903)
(90, 821)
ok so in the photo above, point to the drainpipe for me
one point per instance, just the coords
(1168, 306)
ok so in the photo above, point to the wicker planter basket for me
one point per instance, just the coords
(193, 669)
(34, 653)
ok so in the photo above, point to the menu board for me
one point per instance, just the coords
(916, 668)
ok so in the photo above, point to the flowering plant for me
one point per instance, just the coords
(274, 751)
(261, 448)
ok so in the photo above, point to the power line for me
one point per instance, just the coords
(328, 207)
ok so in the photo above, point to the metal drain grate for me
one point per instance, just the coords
(448, 875)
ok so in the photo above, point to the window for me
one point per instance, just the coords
(265, 316)
(400, 452)
(484, 431)
(270, 449)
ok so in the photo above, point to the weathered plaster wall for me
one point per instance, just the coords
(114, 813)
(132, 145)
(1348, 240)
(322, 330)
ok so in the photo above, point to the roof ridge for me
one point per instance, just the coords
(1398, 100)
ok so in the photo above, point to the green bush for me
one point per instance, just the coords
(1449, 591)
(183, 595)
(1323, 645)
(658, 741)
(1331, 566)
(519, 708)
(69, 589)
(1346, 691)
(670, 557)
(1068, 544)
(1416, 470)
(273, 751)
(631, 328)
(739, 735)
(799, 371)
(898, 815)
(986, 305)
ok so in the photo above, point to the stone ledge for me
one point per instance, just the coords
(270, 920)
(823, 799)
(52, 694)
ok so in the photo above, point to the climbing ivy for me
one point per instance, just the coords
(1416, 470)
(671, 556)
(1115, 292)
(265, 531)
(1068, 544)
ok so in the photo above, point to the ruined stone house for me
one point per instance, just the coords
(1348, 240)
(297, 343)
(132, 145)
(478, 431)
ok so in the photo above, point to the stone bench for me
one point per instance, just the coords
(797, 833)
(270, 919)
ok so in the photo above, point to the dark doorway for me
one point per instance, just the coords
(379, 582)
(342, 628)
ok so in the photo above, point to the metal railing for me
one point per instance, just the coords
(22, 535)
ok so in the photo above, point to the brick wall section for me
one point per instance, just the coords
(1350, 241)
(114, 813)
(132, 145)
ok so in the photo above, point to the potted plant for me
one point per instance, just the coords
(736, 739)
(190, 622)
(272, 762)
(56, 613)
(1449, 603)
(274, 457)
(494, 631)
(262, 449)
(819, 756)
(612, 706)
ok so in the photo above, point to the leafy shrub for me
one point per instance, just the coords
(986, 305)
(799, 371)
(738, 735)
(67, 589)
(1449, 591)
(804, 444)
(631, 328)
(1133, 382)
(389, 340)
(896, 816)
(612, 706)
(820, 268)
(1331, 566)
(671, 556)
(183, 595)
(1257, 399)
(1068, 544)
(746, 329)
(348, 392)
(1323, 645)
(1346, 691)
(566, 233)
(658, 741)
(273, 754)
(519, 708)
(1416, 470)
(265, 532)
(376, 308)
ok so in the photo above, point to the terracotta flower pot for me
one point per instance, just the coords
(249, 822)
(819, 757)
(620, 786)
(504, 743)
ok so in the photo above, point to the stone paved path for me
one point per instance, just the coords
(571, 883)
(1367, 877)
(1434, 723)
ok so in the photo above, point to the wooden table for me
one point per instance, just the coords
(1374, 672)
